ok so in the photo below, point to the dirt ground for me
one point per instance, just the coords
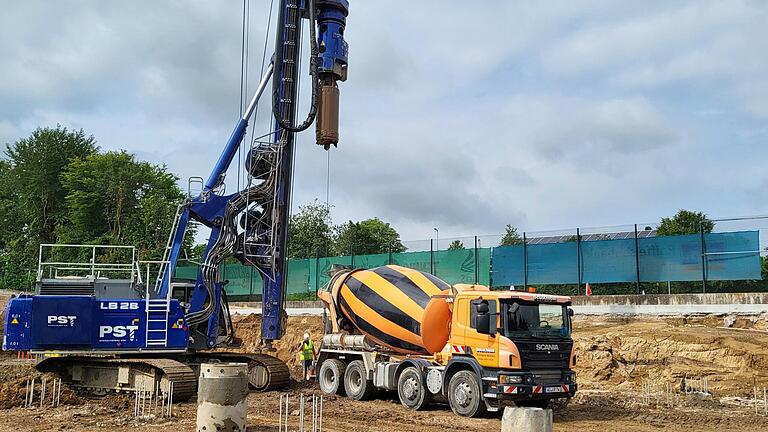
(617, 359)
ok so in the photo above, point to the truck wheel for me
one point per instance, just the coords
(355, 383)
(464, 395)
(411, 390)
(330, 376)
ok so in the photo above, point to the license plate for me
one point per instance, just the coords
(553, 389)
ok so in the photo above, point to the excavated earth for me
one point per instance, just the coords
(633, 376)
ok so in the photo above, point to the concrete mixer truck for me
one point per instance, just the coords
(397, 329)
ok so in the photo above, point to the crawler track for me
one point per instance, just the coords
(265, 372)
(100, 375)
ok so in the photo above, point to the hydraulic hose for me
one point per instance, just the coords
(313, 72)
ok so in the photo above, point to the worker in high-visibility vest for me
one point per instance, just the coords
(307, 354)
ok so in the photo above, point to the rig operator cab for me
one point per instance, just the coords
(503, 347)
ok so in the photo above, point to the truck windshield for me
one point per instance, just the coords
(536, 320)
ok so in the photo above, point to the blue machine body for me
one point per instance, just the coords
(208, 208)
(85, 323)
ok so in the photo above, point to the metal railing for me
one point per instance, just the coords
(64, 268)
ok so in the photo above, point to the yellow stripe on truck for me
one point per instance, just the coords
(391, 294)
(419, 280)
(373, 318)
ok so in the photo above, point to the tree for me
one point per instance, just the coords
(36, 163)
(456, 245)
(511, 237)
(9, 210)
(309, 232)
(114, 199)
(685, 222)
(197, 252)
(32, 197)
(370, 236)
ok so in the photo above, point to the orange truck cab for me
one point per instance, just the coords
(398, 329)
(519, 345)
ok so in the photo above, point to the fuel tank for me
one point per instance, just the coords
(396, 307)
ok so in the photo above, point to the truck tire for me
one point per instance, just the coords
(411, 390)
(355, 383)
(464, 395)
(330, 376)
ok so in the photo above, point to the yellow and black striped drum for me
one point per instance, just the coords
(387, 304)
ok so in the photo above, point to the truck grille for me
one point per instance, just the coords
(547, 376)
(536, 356)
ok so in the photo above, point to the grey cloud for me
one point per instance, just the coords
(560, 128)
(514, 175)
(433, 126)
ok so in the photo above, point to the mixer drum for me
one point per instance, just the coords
(387, 304)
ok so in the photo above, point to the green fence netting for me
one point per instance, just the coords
(716, 256)
(306, 276)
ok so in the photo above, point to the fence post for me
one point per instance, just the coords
(637, 262)
(250, 286)
(525, 262)
(477, 265)
(578, 259)
(389, 259)
(431, 257)
(317, 273)
(703, 259)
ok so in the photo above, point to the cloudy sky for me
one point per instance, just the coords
(461, 115)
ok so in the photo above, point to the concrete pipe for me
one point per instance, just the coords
(526, 420)
(221, 397)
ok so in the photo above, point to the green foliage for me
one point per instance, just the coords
(36, 164)
(197, 252)
(302, 296)
(685, 222)
(32, 198)
(456, 245)
(371, 236)
(309, 232)
(114, 199)
(55, 187)
(511, 237)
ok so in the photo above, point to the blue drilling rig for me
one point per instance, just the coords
(123, 326)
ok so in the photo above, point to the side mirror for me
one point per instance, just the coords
(484, 323)
(570, 312)
(485, 317)
(482, 307)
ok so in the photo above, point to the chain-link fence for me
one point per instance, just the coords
(626, 259)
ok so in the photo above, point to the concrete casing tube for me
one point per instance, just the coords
(222, 397)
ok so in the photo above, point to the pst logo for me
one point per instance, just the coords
(61, 320)
(118, 331)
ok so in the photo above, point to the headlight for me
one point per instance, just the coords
(510, 379)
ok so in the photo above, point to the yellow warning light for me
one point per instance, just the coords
(14, 321)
